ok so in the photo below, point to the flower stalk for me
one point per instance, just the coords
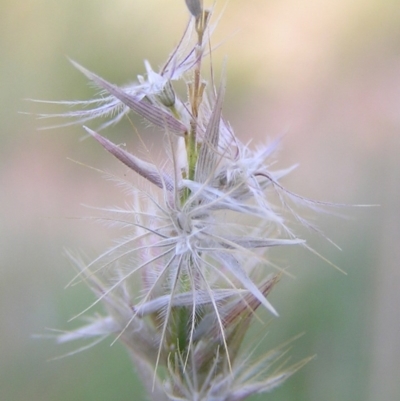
(198, 238)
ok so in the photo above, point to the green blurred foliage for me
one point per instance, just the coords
(326, 72)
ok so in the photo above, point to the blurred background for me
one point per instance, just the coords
(325, 73)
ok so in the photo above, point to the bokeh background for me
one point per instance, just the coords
(325, 73)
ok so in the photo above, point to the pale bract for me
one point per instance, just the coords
(196, 237)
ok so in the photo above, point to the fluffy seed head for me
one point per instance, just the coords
(197, 237)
